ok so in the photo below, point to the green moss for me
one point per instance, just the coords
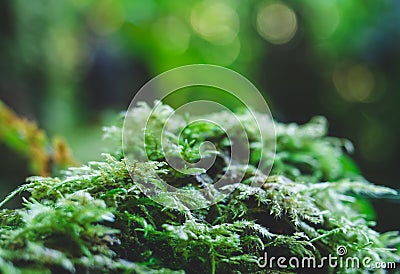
(94, 218)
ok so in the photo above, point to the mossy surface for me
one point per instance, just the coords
(95, 219)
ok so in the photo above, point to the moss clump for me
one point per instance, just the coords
(94, 218)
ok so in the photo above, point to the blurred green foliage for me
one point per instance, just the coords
(27, 139)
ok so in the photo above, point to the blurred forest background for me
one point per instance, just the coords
(72, 65)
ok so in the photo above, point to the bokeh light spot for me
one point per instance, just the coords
(106, 17)
(173, 33)
(326, 18)
(354, 83)
(215, 21)
(223, 55)
(65, 52)
(277, 23)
